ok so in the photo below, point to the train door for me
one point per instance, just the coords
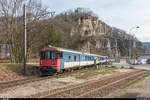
(62, 61)
(79, 59)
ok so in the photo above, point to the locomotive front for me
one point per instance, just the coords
(50, 60)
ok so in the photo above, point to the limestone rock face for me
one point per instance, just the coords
(100, 38)
(89, 34)
(90, 26)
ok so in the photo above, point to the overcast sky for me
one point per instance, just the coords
(122, 14)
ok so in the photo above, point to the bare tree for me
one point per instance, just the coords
(12, 13)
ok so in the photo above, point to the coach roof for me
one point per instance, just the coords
(67, 50)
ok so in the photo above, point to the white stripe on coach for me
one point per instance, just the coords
(75, 64)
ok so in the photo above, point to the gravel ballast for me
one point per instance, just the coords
(50, 84)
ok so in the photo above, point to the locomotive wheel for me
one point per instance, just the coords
(61, 71)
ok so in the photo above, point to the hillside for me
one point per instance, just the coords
(147, 46)
(78, 29)
(82, 30)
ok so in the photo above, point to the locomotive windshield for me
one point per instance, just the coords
(51, 55)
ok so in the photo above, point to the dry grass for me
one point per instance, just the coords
(9, 72)
(33, 60)
(94, 72)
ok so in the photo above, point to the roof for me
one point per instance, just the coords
(73, 51)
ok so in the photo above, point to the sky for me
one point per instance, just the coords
(123, 14)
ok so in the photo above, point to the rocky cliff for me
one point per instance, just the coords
(84, 32)
(90, 26)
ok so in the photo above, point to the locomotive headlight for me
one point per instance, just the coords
(53, 63)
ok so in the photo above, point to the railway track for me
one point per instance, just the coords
(9, 84)
(97, 88)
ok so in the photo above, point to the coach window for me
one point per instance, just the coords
(82, 58)
(69, 57)
(75, 58)
(85, 58)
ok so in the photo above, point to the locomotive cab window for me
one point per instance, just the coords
(59, 55)
(51, 55)
(42, 54)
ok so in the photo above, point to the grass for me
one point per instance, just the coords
(13, 64)
(18, 68)
(94, 72)
(131, 85)
(9, 64)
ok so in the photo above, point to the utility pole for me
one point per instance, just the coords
(25, 37)
(130, 41)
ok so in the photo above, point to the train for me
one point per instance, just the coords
(55, 60)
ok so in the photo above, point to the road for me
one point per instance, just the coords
(125, 65)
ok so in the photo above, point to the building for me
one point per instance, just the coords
(4, 50)
(147, 46)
